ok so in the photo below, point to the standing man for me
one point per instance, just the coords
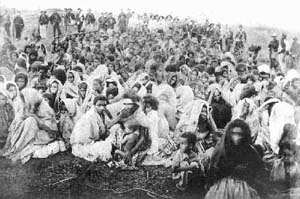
(55, 20)
(122, 22)
(69, 20)
(18, 25)
(79, 19)
(240, 39)
(90, 20)
(7, 23)
(273, 49)
(43, 22)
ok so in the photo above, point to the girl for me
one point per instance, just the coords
(69, 115)
(235, 164)
(55, 89)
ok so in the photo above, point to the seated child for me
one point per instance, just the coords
(131, 141)
(185, 161)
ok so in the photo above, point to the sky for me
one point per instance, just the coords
(274, 13)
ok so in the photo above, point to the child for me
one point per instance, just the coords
(185, 160)
(128, 143)
(285, 167)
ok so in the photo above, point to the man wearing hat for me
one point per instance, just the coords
(55, 20)
(273, 48)
(43, 24)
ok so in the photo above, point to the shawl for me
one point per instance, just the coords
(189, 119)
(88, 128)
(247, 110)
(71, 89)
(281, 114)
(185, 95)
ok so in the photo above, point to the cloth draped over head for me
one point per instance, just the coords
(281, 114)
(165, 92)
(185, 95)
(2, 82)
(189, 120)
(247, 110)
(7, 73)
(71, 89)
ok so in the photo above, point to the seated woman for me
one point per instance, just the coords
(185, 95)
(70, 88)
(33, 131)
(198, 120)
(6, 117)
(88, 138)
(55, 89)
(221, 111)
(235, 165)
(84, 100)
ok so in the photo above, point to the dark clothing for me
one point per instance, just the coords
(44, 20)
(69, 17)
(90, 18)
(110, 23)
(7, 29)
(283, 45)
(55, 20)
(274, 45)
(56, 28)
(79, 21)
(19, 26)
(221, 113)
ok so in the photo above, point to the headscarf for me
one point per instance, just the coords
(166, 91)
(71, 89)
(71, 107)
(170, 75)
(7, 73)
(247, 110)
(189, 119)
(2, 84)
(185, 95)
(59, 89)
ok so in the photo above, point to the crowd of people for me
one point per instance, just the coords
(138, 90)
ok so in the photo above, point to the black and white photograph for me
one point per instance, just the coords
(149, 99)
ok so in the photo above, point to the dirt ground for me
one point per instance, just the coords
(65, 176)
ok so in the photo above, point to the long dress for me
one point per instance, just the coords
(27, 138)
(236, 177)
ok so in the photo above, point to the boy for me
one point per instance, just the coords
(185, 161)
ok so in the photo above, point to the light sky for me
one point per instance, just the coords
(281, 14)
